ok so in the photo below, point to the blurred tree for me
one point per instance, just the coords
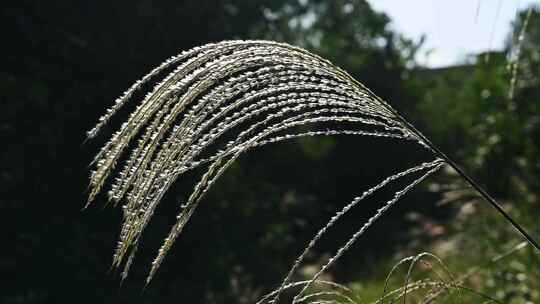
(353, 36)
(468, 109)
(471, 112)
(66, 61)
(527, 81)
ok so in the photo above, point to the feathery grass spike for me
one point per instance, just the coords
(221, 100)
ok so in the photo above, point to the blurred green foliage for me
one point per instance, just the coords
(496, 136)
(66, 62)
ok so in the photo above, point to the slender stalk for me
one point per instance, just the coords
(458, 169)
(489, 199)
(475, 185)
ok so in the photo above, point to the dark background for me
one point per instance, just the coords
(67, 61)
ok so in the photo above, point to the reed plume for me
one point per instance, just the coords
(222, 100)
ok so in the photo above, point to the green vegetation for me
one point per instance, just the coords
(68, 60)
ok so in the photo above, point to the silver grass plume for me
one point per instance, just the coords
(258, 91)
